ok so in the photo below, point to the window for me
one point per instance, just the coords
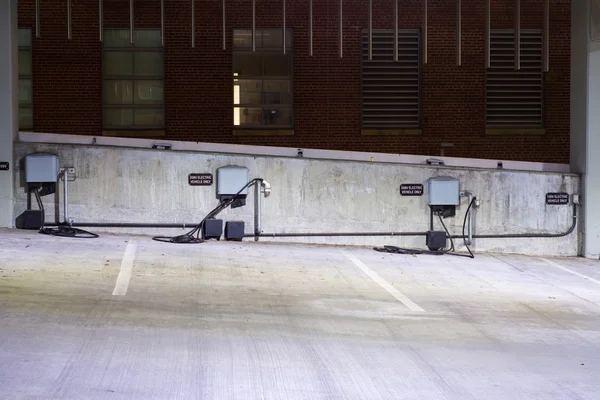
(25, 81)
(133, 80)
(262, 79)
(390, 89)
(515, 98)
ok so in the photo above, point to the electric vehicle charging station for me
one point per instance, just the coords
(233, 186)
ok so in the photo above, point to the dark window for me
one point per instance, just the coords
(133, 80)
(390, 89)
(515, 97)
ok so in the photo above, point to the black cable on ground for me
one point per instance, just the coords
(450, 252)
(62, 230)
(399, 250)
(193, 236)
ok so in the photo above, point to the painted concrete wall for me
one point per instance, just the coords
(585, 123)
(142, 185)
(9, 110)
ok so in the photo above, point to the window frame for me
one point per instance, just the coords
(133, 78)
(282, 129)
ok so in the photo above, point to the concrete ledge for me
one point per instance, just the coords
(271, 151)
(135, 133)
(515, 131)
(263, 132)
(391, 132)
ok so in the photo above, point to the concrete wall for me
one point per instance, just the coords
(585, 123)
(116, 184)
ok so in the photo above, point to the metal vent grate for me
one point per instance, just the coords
(515, 98)
(390, 90)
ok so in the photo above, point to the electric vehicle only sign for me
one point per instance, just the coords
(4, 166)
(200, 179)
(557, 198)
(411, 189)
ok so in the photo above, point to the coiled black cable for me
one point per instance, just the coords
(62, 230)
(450, 252)
(193, 236)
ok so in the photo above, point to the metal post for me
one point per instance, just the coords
(517, 34)
(469, 240)
(131, 21)
(458, 32)
(65, 177)
(310, 26)
(257, 210)
(370, 30)
(224, 28)
(37, 18)
(546, 35)
(162, 22)
(341, 29)
(193, 23)
(424, 31)
(488, 57)
(284, 35)
(100, 20)
(69, 36)
(396, 30)
(253, 25)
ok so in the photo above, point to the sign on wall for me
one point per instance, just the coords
(4, 166)
(411, 189)
(200, 179)
(557, 198)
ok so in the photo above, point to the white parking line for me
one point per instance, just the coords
(597, 282)
(126, 270)
(383, 283)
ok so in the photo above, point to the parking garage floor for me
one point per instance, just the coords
(128, 318)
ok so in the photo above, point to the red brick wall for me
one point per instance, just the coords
(67, 74)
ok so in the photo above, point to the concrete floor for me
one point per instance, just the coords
(249, 320)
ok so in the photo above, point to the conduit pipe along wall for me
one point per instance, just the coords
(514, 235)
(121, 187)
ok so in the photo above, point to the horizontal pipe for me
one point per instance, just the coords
(127, 225)
(330, 234)
(482, 236)
(336, 234)
(533, 235)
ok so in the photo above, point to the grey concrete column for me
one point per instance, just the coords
(585, 123)
(9, 105)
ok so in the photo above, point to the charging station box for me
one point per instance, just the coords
(230, 179)
(435, 240)
(234, 230)
(443, 191)
(41, 168)
(212, 229)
